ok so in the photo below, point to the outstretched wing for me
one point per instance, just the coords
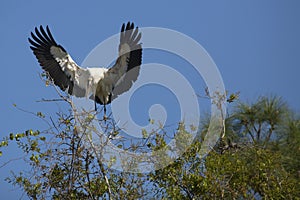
(55, 60)
(126, 69)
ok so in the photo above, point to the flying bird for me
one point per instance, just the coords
(99, 84)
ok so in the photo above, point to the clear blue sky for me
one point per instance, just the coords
(255, 45)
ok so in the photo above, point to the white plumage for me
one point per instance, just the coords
(100, 84)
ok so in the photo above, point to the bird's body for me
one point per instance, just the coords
(100, 84)
(88, 79)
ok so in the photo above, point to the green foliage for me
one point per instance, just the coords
(258, 158)
(62, 167)
(246, 173)
(289, 146)
(259, 120)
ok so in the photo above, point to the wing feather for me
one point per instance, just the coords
(126, 69)
(45, 35)
(40, 36)
(41, 43)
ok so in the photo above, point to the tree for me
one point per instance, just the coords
(245, 163)
(62, 166)
(257, 158)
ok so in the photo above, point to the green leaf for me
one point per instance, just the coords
(144, 133)
(40, 114)
(151, 121)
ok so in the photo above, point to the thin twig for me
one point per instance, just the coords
(49, 100)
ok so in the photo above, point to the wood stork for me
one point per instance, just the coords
(100, 84)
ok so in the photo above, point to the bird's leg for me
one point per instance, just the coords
(95, 106)
(104, 116)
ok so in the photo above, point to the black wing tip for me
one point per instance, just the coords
(42, 36)
(36, 35)
(123, 28)
(30, 40)
(130, 33)
(48, 29)
(40, 29)
(127, 26)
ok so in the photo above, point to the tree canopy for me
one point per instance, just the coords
(258, 157)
